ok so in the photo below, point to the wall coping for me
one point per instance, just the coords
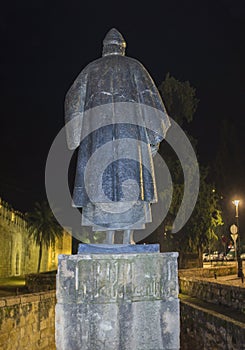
(26, 298)
(213, 313)
(216, 284)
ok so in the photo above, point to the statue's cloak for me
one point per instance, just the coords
(112, 105)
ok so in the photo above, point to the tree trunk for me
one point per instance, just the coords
(200, 260)
(40, 256)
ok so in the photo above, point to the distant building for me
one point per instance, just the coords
(18, 252)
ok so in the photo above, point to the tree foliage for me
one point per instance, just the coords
(179, 99)
(203, 225)
(43, 228)
(206, 219)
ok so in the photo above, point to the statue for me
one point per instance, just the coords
(109, 84)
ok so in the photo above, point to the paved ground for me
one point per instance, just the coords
(231, 280)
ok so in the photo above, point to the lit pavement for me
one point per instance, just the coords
(231, 280)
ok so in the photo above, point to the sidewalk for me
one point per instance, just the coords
(231, 280)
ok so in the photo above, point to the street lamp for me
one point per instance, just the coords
(236, 203)
(238, 252)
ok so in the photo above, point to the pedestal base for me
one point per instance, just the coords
(117, 302)
(118, 248)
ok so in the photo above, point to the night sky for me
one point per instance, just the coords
(45, 44)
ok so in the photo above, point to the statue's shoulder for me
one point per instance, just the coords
(116, 59)
(135, 65)
(90, 67)
(132, 61)
(92, 64)
(113, 60)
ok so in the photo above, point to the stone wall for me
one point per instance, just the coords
(27, 322)
(205, 329)
(36, 282)
(213, 292)
(19, 254)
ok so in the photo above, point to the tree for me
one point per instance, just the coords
(179, 99)
(202, 230)
(43, 228)
(203, 225)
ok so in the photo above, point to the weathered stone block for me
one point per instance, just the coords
(29, 298)
(2, 302)
(4, 338)
(12, 301)
(117, 302)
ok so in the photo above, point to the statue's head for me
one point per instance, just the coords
(114, 43)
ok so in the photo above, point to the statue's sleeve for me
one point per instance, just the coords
(74, 110)
(156, 118)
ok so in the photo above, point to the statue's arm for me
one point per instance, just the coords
(150, 96)
(159, 117)
(154, 149)
(74, 110)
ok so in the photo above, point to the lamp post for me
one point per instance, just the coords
(238, 252)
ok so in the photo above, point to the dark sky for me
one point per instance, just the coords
(45, 44)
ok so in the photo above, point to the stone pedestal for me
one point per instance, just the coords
(117, 302)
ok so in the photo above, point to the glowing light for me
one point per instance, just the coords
(236, 203)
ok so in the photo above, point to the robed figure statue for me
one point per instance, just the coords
(115, 115)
